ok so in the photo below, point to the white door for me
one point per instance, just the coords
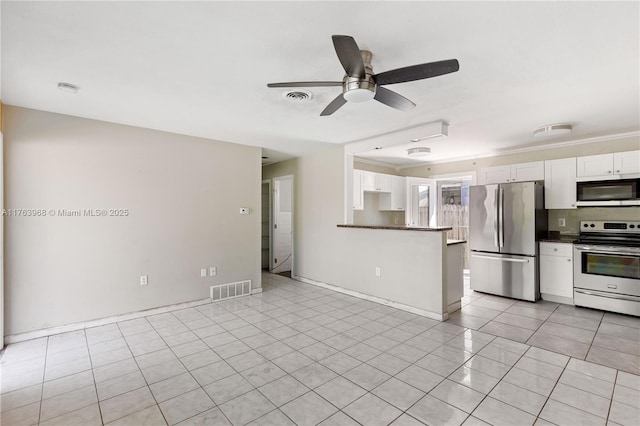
(420, 202)
(281, 258)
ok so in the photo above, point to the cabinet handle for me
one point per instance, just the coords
(573, 205)
(609, 171)
(617, 171)
(568, 260)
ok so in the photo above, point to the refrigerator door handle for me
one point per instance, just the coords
(496, 220)
(501, 259)
(501, 214)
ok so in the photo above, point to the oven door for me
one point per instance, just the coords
(607, 269)
(607, 278)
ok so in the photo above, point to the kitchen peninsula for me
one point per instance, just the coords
(412, 268)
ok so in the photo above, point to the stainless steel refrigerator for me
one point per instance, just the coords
(505, 221)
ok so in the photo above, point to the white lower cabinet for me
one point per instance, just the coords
(556, 272)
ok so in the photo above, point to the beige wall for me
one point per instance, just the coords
(374, 168)
(602, 147)
(370, 215)
(183, 195)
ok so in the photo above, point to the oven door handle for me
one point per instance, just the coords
(607, 249)
(608, 295)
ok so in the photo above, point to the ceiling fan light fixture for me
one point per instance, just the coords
(420, 151)
(553, 130)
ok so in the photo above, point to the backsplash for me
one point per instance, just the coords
(372, 216)
(574, 216)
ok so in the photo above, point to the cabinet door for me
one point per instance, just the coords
(595, 165)
(527, 171)
(626, 162)
(368, 181)
(358, 195)
(560, 184)
(499, 174)
(556, 276)
(383, 182)
(395, 200)
(398, 193)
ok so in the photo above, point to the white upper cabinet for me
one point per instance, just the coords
(358, 190)
(626, 162)
(395, 200)
(595, 165)
(560, 183)
(499, 174)
(525, 172)
(607, 165)
(522, 172)
(376, 182)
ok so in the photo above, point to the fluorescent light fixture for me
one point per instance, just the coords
(439, 129)
(553, 130)
(421, 151)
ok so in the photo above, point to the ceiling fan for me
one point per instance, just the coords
(360, 84)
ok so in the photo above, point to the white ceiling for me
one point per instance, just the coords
(201, 69)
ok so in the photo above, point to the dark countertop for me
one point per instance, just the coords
(556, 237)
(454, 242)
(398, 227)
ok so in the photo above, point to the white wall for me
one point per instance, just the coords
(183, 195)
(347, 258)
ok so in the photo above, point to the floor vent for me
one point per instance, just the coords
(228, 291)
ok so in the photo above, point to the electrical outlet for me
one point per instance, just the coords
(377, 271)
(144, 279)
(562, 222)
(203, 272)
(213, 271)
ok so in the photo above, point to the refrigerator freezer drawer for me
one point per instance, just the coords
(505, 275)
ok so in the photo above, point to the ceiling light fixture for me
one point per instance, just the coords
(439, 129)
(421, 151)
(68, 87)
(553, 130)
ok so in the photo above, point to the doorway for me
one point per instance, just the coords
(281, 259)
(265, 235)
(453, 209)
(420, 202)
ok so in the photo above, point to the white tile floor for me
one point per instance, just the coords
(298, 354)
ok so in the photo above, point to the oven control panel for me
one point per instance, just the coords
(610, 226)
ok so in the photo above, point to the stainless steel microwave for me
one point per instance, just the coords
(620, 192)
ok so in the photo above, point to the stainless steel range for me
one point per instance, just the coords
(607, 266)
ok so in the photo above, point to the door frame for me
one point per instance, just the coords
(270, 225)
(273, 206)
(432, 190)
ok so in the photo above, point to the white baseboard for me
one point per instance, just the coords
(29, 335)
(256, 290)
(401, 306)
(455, 306)
(557, 299)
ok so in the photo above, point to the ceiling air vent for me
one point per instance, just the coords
(298, 95)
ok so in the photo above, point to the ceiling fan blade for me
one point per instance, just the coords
(392, 99)
(349, 54)
(417, 72)
(306, 84)
(334, 105)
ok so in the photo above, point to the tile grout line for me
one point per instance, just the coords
(95, 385)
(44, 372)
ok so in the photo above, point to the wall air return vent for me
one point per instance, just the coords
(230, 290)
